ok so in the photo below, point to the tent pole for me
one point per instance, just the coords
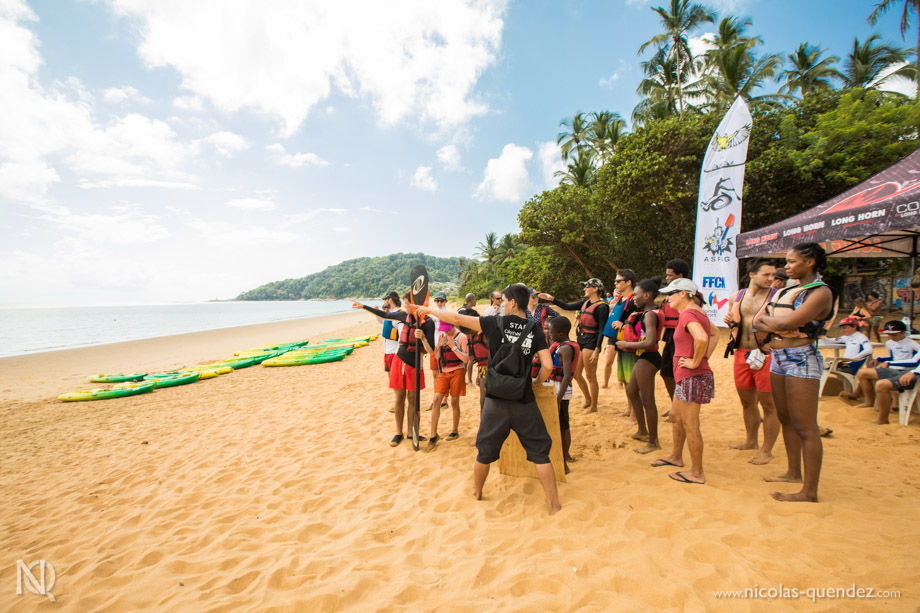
(913, 271)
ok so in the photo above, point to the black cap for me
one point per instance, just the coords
(391, 296)
(894, 326)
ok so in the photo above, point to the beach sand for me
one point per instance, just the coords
(275, 489)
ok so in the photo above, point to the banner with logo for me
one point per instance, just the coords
(718, 213)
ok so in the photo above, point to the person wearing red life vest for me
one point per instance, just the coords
(452, 352)
(589, 335)
(564, 354)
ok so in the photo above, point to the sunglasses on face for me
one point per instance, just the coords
(439, 300)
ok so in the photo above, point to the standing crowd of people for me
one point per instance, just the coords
(644, 331)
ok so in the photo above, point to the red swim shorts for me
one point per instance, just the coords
(747, 379)
(451, 383)
(388, 361)
(402, 376)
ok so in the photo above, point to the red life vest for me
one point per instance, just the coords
(480, 353)
(558, 371)
(633, 332)
(670, 314)
(448, 358)
(407, 335)
(587, 320)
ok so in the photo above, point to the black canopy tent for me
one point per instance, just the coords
(880, 217)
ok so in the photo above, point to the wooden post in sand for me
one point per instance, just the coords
(513, 459)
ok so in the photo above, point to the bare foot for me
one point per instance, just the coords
(587, 405)
(648, 448)
(630, 422)
(761, 458)
(477, 494)
(640, 437)
(569, 458)
(745, 446)
(881, 423)
(594, 410)
(555, 509)
(787, 478)
(604, 386)
(624, 415)
(864, 405)
(850, 395)
(567, 471)
(796, 497)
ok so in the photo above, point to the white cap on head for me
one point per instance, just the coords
(681, 285)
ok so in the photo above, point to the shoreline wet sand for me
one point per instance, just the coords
(275, 489)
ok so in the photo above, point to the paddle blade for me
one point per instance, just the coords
(418, 285)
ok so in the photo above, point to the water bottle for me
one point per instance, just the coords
(906, 321)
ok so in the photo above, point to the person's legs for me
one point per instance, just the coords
(802, 404)
(548, 480)
(455, 409)
(791, 439)
(867, 378)
(399, 409)
(480, 472)
(435, 413)
(676, 457)
(634, 398)
(610, 355)
(751, 416)
(690, 419)
(410, 412)
(771, 429)
(884, 388)
(644, 374)
(579, 378)
(590, 369)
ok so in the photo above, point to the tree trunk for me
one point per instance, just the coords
(578, 259)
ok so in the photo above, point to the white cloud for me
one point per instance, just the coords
(253, 204)
(423, 180)
(506, 178)
(44, 129)
(302, 159)
(275, 148)
(188, 103)
(221, 233)
(609, 81)
(124, 225)
(699, 45)
(125, 93)
(550, 157)
(449, 156)
(227, 143)
(312, 214)
(409, 58)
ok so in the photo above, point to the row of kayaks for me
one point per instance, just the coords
(287, 354)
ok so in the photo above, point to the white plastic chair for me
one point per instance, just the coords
(907, 400)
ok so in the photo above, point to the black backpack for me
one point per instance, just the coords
(508, 376)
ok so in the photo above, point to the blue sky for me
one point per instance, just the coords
(156, 151)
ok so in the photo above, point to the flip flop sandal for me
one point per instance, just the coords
(452, 436)
(396, 440)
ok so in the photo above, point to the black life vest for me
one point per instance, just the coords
(587, 319)
(558, 371)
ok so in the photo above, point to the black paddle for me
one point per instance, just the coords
(418, 296)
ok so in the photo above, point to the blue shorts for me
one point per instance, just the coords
(800, 362)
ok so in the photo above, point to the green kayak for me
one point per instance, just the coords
(117, 378)
(321, 357)
(120, 391)
(172, 379)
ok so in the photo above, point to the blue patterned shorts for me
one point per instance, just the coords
(800, 362)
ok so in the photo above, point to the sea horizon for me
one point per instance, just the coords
(26, 330)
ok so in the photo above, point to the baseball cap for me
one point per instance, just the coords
(391, 296)
(849, 321)
(592, 282)
(681, 285)
(781, 273)
(893, 327)
(440, 295)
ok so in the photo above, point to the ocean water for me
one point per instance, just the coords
(29, 330)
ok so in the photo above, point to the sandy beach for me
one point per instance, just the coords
(275, 489)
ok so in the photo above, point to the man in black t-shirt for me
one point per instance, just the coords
(499, 416)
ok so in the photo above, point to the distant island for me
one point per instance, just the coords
(363, 277)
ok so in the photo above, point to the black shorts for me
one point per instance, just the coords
(563, 415)
(894, 375)
(499, 418)
(652, 356)
(667, 354)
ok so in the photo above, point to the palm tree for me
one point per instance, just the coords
(509, 247)
(868, 62)
(604, 134)
(676, 23)
(581, 171)
(809, 73)
(659, 87)
(732, 67)
(909, 5)
(489, 249)
(575, 136)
